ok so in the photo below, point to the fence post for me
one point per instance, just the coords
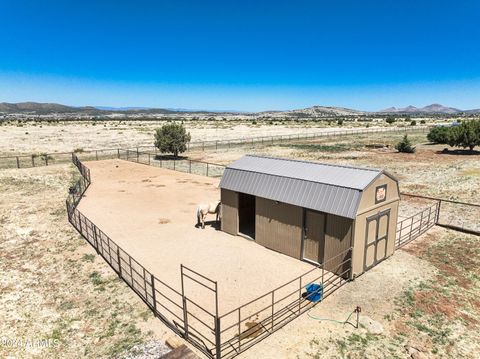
(239, 329)
(149, 158)
(189, 166)
(118, 152)
(137, 154)
(273, 307)
(46, 159)
(96, 155)
(207, 169)
(95, 238)
(80, 224)
(421, 222)
(203, 146)
(33, 160)
(218, 344)
(174, 165)
(154, 298)
(400, 234)
(411, 229)
(300, 296)
(184, 305)
(119, 262)
(437, 215)
(18, 163)
(218, 341)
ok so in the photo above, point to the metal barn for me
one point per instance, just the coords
(312, 211)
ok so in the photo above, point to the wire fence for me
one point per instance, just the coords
(48, 159)
(201, 168)
(455, 215)
(199, 325)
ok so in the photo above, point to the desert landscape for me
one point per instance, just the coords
(239, 179)
(58, 287)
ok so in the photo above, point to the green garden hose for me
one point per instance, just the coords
(356, 310)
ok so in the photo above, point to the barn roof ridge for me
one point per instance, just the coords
(300, 179)
(318, 163)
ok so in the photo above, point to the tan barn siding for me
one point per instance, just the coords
(229, 211)
(279, 226)
(338, 238)
(368, 196)
(367, 208)
(360, 230)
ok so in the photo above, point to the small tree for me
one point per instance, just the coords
(413, 123)
(340, 121)
(172, 138)
(465, 135)
(439, 134)
(405, 146)
(390, 120)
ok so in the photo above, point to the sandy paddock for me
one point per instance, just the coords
(150, 213)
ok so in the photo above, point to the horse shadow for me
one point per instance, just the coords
(214, 224)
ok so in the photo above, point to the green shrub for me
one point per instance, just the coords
(413, 123)
(439, 134)
(405, 146)
(465, 135)
(390, 120)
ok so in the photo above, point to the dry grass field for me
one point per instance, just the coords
(55, 287)
(51, 137)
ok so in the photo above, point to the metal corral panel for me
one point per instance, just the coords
(278, 226)
(325, 188)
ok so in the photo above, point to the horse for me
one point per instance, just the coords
(204, 209)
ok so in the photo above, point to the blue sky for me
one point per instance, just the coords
(243, 55)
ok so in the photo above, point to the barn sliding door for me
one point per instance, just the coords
(376, 237)
(314, 236)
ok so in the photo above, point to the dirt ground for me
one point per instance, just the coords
(151, 213)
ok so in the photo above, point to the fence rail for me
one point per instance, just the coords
(412, 227)
(198, 325)
(281, 305)
(47, 159)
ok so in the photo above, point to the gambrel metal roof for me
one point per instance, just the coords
(323, 187)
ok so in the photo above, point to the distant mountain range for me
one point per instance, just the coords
(35, 108)
(431, 109)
